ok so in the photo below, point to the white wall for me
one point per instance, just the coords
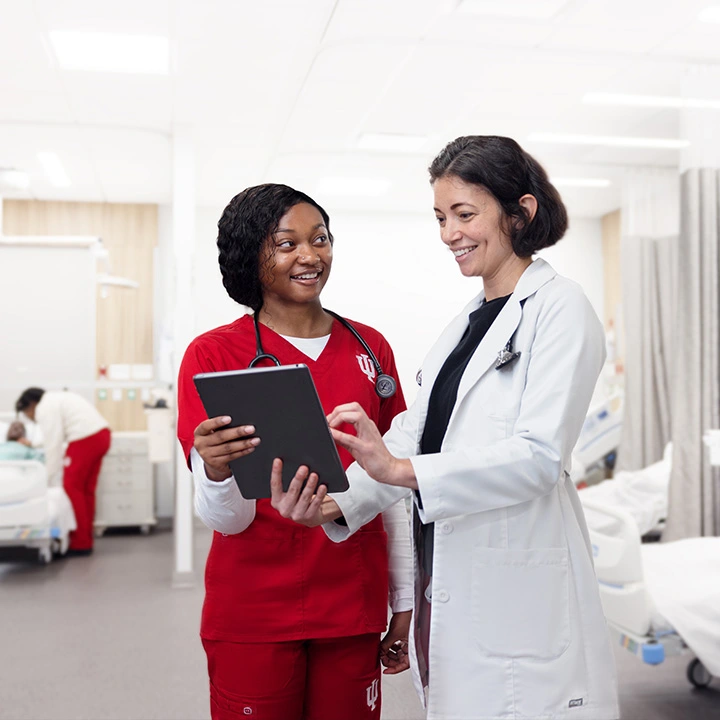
(47, 322)
(213, 306)
(579, 256)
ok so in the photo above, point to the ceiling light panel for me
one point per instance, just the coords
(608, 141)
(353, 186)
(649, 101)
(111, 52)
(710, 14)
(520, 9)
(392, 142)
(632, 41)
(129, 16)
(578, 182)
(639, 15)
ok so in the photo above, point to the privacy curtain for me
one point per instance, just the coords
(649, 248)
(694, 484)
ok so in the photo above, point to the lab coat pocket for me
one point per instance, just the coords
(520, 602)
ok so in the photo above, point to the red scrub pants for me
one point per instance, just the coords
(330, 679)
(83, 459)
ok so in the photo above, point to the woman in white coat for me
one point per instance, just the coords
(507, 617)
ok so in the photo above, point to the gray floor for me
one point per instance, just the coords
(106, 638)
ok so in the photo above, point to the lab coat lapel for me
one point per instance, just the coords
(446, 343)
(494, 341)
(505, 325)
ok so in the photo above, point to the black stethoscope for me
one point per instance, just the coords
(385, 385)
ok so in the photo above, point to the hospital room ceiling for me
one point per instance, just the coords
(302, 93)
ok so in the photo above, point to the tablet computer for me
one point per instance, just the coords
(283, 405)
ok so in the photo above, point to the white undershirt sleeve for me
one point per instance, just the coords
(219, 504)
(397, 527)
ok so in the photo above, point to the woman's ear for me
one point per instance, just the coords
(530, 204)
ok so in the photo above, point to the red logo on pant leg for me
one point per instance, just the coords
(373, 694)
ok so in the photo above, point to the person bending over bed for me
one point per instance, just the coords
(66, 417)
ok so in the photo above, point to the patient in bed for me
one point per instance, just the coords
(17, 446)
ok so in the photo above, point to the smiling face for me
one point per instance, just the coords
(473, 227)
(296, 261)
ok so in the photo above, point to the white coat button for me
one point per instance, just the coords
(441, 596)
(446, 528)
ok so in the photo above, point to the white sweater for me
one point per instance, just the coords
(65, 417)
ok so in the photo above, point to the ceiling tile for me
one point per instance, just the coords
(25, 141)
(131, 165)
(223, 171)
(344, 86)
(135, 101)
(379, 19)
(699, 41)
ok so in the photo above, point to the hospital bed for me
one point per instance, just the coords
(599, 438)
(641, 493)
(32, 514)
(659, 599)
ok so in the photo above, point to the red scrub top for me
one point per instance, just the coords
(278, 580)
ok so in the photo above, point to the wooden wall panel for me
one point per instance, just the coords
(125, 317)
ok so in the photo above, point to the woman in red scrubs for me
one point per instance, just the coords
(292, 622)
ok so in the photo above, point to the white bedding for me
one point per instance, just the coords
(642, 493)
(62, 516)
(49, 515)
(683, 580)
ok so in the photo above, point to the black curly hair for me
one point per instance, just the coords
(503, 168)
(30, 396)
(250, 218)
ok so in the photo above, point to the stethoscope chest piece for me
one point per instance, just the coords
(385, 386)
(506, 356)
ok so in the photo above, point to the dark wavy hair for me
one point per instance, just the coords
(503, 168)
(246, 224)
(29, 397)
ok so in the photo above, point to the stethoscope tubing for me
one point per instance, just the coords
(385, 385)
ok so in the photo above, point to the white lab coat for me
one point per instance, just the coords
(517, 629)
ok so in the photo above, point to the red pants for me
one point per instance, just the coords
(83, 459)
(333, 679)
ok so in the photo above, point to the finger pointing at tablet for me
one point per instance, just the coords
(368, 448)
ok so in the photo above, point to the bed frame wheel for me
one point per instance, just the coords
(698, 674)
(45, 555)
(145, 529)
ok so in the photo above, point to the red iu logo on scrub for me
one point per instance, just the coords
(366, 366)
